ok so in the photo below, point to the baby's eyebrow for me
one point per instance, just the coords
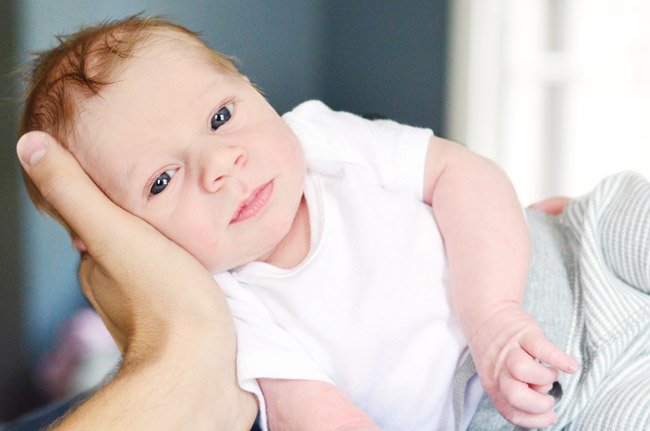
(131, 178)
(130, 171)
(136, 164)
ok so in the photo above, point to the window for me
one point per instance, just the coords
(556, 91)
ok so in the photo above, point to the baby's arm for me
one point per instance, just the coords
(488, 248)
(311, 405)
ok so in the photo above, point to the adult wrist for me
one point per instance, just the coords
(199, 376)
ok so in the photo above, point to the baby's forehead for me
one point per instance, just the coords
(155, 96)
(152, 50)
(158, 60)
(160, 50)
(165, 71)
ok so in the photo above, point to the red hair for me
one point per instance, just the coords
(62, 78)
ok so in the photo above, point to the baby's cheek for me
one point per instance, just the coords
(280, 223)
(208, 255)
(198, 240)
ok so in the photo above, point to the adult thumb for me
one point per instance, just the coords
(65, 185)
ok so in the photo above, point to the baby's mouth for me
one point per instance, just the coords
(253, 203)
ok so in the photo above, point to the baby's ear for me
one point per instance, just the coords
(79, 244)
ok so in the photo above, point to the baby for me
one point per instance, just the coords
(362, 260)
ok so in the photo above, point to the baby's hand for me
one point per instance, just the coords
(507, 351)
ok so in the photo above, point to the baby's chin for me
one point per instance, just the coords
(217, 268)
(220, 266)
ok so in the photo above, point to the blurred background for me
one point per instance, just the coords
(371, 57)
(556, 91)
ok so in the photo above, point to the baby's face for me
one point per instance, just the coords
(198, 154)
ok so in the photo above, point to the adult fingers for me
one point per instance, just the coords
(92, 277)
(143, 285)
(116, 240)
(554, 205)
(66, 186)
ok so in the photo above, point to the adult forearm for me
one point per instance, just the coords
(172, 392)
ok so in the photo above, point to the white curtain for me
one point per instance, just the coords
(556, 91)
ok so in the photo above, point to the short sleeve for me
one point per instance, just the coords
(395, 152)
(264, 349)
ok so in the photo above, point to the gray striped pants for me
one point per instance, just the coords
(589, 288)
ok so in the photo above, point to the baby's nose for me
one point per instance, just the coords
(219, 164)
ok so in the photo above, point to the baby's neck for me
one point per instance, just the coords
(294, 247)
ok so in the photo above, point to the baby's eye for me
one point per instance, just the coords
(161, 182)
(221, 117)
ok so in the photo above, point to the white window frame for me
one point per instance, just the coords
(539, 87)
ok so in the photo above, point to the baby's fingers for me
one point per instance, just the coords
(523, 398)
(525, 368)
(542, 389)
(529, 420)
(540, 348)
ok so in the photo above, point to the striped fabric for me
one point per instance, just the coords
(589, 289)
(610, 331)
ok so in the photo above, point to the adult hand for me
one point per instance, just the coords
(163, 308)
(553, 206)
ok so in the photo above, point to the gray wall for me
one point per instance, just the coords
(12, 369)
(388, 58)
(370, 57)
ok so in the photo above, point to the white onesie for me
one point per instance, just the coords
(368, 309)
